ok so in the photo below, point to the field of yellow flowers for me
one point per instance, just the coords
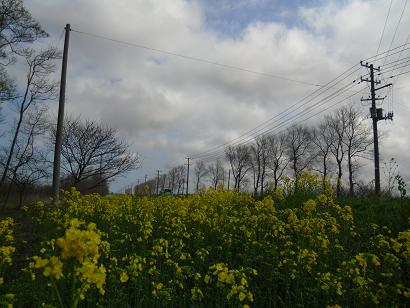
(216, 249)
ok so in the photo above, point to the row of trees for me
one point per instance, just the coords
(337, 145)
(92, 152)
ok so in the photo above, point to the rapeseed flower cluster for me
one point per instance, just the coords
(6, 256)
(78, 260)
(216, 249)
(6, 242)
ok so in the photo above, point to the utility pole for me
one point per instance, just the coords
(158, 181)
(376, 114)
(187, 175)
(145, 182)
(229, 178)
(60, 119)
(137, 187)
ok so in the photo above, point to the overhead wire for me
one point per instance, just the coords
(284, 112)
(394, 69)
(384, 27)
(219, 156)
(407, 40)
(263, 124)
(197, 59)
(403, 73)
(297, 115)
(398, 24)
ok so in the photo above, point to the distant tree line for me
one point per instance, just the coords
(338, 145)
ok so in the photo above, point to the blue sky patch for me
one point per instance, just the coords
(231, 17)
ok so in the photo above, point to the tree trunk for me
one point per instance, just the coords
(324, 173)
(21, 192)
(339, 178)
(10, 155)
(349, 163)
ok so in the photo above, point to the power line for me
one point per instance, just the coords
(403, 65)
(399, 74)
(218, 156)
(265, 128)
(286, 111)
(250, 134)
(232, 67)
(384, 27)
(398, 24)
(327, 85)
(297, 116)
(408, 38)
(384, 52)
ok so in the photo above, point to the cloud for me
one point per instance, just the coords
(169, 106)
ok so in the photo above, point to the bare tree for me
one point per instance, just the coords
(390, 171)
(215, 171)
(356, 140)
(163, 181)
(91, 150)
(299, 149)
(29, 163)
(277, 159)
(200, 171)
(238, 157)
(176, 178)
(172, 174)
(258, 161)
(38, 87)
(322, 139)
(17, 27)
(338, 123)
(180, 178)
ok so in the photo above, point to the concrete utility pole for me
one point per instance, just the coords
(376, 114)
(60, 119)
(187, 175)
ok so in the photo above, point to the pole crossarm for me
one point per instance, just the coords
(385, 86)
(369, 80)
(370, 99)
(370, 66)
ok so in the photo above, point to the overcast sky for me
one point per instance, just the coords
(168, 107)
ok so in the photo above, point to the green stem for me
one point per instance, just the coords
(74, 296)
(57, 292)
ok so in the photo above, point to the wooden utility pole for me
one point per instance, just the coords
(376, 114)
(60, 119)
(187, 175)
